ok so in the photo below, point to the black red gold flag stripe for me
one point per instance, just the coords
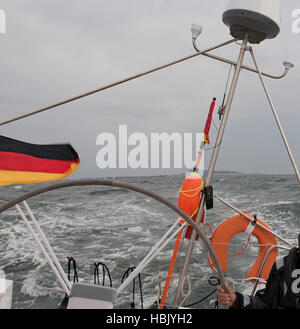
(22, 163)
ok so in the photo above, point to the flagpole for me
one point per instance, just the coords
(205, 140)
(212, 165)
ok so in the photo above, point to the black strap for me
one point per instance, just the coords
(209, 197)
(214, 283)
(96, 274)
(72, 262)
(125, 276)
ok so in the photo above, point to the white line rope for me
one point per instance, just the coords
(159, 278)
(189, 292)
(243, 244)
(246, 280)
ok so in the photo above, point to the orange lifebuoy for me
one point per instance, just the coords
(226, 230)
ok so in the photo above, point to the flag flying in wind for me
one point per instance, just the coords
(208, 122)
(22, 163)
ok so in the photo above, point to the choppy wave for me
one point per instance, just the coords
(119, 228)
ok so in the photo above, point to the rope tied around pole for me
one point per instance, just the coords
(189, 291)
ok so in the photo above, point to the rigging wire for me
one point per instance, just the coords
(221, 107)
(72, 99)
(227, 84)
(216, 127)
(213, 147)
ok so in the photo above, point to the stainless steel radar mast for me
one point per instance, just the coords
(252, 21)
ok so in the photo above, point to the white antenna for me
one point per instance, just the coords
(288, 65)
(196, 30)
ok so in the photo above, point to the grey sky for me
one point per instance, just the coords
(57, 49)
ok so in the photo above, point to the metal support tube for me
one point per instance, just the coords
(43, 251)
(264, 263)
(146, 262)
(228, 61)
(115, 83)
(276, 118)
(153, 251)
(251, 220)
(47, 244)
(212, 164)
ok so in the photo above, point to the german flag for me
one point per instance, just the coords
(23, 163)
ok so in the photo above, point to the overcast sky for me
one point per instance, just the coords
(54, 49)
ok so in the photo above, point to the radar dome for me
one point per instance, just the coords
(259, 18)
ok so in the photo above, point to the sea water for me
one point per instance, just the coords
(119, 227)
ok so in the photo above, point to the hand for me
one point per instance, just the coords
(226, 298)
